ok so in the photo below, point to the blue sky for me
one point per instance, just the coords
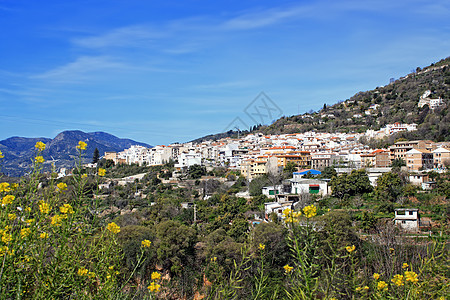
(171, 71)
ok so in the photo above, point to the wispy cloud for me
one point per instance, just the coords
(264, 18)
(80, 69)
(131, 36)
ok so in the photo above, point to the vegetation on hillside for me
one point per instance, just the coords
(87, 236)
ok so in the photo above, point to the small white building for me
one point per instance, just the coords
(309, 186)
(277, 208)
(407, 218)
(271, 191)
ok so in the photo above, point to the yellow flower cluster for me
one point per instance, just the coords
(81, 145)
(57, 220)
(44, 207)
(101, 172)
(405, 266)
(4, 187)
(288, 269)
(39, 159)
(6, 237)
(362, 289)
(44, 235)
(25, 232)
(350, 249)
(113, 227)
(61, 187)
(376, 276)
(8, 199)
(154, 287)
(146, 243)
(262, 247)
(40, 146)
(156, 276)
(398, 280)
(291, 216)
(411, 276)
(381, 285)
(82, 271)
(1, 154)
(66, 209)
(310, 211)
(12, 217)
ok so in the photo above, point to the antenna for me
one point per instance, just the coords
(238, 130)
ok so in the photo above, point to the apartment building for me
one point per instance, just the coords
(419, 159)
(399, 149)
(441, 157)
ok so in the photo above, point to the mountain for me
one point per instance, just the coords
(61, 151)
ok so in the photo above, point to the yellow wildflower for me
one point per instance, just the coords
(213, 259)
(82, 271)
(25, 232)
(111, 267)
(262, 246)
(8, 199)
(4, 187)
(350, 249)
(101, 172)
(156, 276)
(12, 217)
(3, 250)
(81, 145)
(411, 276)
(146, 243)
(40, 146)
(44, 207)
(358, 289)
(288, 269)
(398, 280)
(28, 209)
(366, 288)
(113, 227)
(154, 287)
(39, 159)
(391, 250)
(310, 211)
(381, 285)
(405, 266)
(30, 221)
(14, 186)
(376, 276)
(66, 209)
(44, 235)
(57, 220)
(84, 176)
(6, 238)
(1, 154)
(61, 187)
(91, 274)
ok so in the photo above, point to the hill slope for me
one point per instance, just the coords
(398, 102)
(61, 151)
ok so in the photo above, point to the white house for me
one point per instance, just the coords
(407, 218)
(271, 191)
(309, 186)
(277, 208)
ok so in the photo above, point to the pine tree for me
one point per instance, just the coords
(96, 156)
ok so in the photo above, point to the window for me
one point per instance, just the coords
(411, 213)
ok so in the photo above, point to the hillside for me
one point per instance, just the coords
(61, 151)
(398, 102)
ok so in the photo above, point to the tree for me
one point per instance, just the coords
(96, 156)
(196, 171)
(389, 187)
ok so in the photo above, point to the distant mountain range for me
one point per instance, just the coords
(61, 151)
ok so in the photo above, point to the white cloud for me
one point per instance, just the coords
(80, 69)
